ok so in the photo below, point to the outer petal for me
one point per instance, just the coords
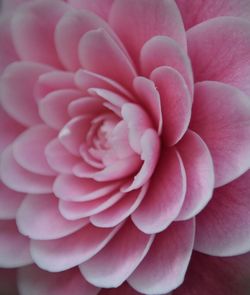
(218, 276)
(165, 195)
(124, 289)
(227, 131)
(146, 19)
(223, 228)
(112, 266)
(164, 267)
(14, 247)
(34, 281)
(219, 51)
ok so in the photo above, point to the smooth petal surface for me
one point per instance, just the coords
(227, 132)
(112, 266)
(219, 51)
(62, 254)
(39, 218)
(146, 19)
(176, 103)
(199, 170)
(164, 267)
(124, 289)
(165, 195)
(223, 227)
(14, 247)
(34, 281)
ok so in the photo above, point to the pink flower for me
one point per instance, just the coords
(121, 121)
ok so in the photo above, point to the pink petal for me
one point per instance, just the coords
(169, 53)
(34, 281)
(14, 247)
(62, 254)
(146, 19)
(113, 265)
(99, 7)
(222, 276)
(199, 170)
(59, 158)
(164, 267)
(33, 28)
(29, 149)
(221, 42)
(19, 101)
(92, 59)
(21, 180)
(8, 281)
(10, 201)
(124, 289)
(195, 12)
(227, 132)
(165, 195)
(176, 103)
(120, 210)
(39, 218)
(223, 228)
(10, 5)
(149, 98)
(53, 108)
(71, 188)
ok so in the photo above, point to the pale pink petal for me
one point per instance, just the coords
(149, 98)
(146, 19)
(99, 7)
(165, 195)
(76, 210)
(29, 149)
(124, 289)
(121, 210)
(39, 218)
(92, 59)
(215, 275)
(227, 131)
(219, 51)
(10, 201)
(83, 169)
(9, 129)
(113, 265)
(164, 267)
(223, 227)
(53, 108)
(62, 254)
(176, 103)
(19, 101)
(199, 170)
(34, 281)
(195, 12)
(8, 281)
(33, 28)
(59, 158)
(10, 5)
(21, 180)
(14, 247)
(72, 188)
(169, 53)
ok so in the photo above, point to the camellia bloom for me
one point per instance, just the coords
(125, 138)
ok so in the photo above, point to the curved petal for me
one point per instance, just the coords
(34, 281)
(29, 149)
(113, 265)
(146, 19)
(176, 103)
(219, 51)
(165, 195)
(21, 180)
(62, 254)
(227, 132)
(14, 247)
(164, 267)
(124, 289)
(19, 101)
(199, 170)
(86, 105)
(223, 227)
(39, 218)
(33, 27)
